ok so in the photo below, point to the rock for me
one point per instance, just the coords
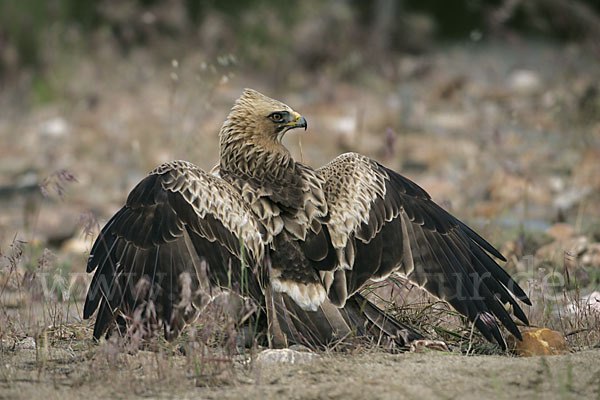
(591, 258)
(450, 121)
(570, 197)
(77, 245)
(420, 346)
(346, 129)
(555, 251)
(585, 173)
(538, 342)
(54, 128)
(286, 356)
(56, 223)
(26, 344)
(509, 189)
(561, 231)
(587, 304)
(524, 82)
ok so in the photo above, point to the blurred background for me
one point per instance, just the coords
(491, 106)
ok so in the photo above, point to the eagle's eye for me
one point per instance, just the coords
(276, 116)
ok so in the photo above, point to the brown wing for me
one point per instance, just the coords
(148, 254)
(381, 222)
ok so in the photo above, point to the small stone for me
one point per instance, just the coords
(56, 224)
(524, 82)
(586, 305)
(555, 251)
(591, 258)
(26, 344)
(76, 245)
(54, 128)
(571, 197)
(561, 231)
(286, 356)
(451, 121)
(538, 342)
(420, 346)
(346, 129)
(510, 189)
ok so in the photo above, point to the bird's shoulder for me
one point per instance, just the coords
(197, 196)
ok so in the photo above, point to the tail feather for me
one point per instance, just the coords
(359, 319)
(377, 323)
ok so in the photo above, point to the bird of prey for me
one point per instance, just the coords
(302, 242)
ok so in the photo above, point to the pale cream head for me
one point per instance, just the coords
(258, 117)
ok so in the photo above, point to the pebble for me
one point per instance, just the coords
(524, 81)
(538, 342)
(286, 356)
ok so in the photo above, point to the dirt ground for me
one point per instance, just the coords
(359, 376)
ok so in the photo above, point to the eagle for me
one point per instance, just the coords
(301, 242)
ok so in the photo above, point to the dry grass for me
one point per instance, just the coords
(42, 337)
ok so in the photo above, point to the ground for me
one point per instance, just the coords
(504, 135)
(368, 374)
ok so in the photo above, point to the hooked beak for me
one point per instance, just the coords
(298, 122)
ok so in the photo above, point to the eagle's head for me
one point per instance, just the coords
(259, 119)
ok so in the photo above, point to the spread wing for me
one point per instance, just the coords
(149, 254)
(381, 223)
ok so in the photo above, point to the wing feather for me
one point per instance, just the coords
(402, 230)
(173, 218)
